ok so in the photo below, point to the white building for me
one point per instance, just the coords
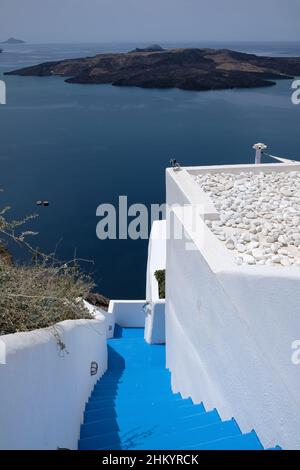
(231, 328)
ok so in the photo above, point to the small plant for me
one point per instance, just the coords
(40, 293)
(160, 276)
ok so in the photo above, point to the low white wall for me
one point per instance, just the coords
(128, 313)
(43, 389)
(287, 166)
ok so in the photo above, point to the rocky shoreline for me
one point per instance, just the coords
(186, 69)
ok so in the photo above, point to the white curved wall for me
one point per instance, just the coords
(43, 390)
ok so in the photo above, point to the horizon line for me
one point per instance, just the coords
(144, 41)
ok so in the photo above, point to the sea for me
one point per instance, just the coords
(80, 146)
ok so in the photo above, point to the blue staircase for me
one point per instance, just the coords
(133, 408)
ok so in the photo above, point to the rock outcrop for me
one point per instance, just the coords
(98, 300)
(187, 69)
(13, 41)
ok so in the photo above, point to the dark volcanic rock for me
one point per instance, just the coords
(187, 69)
(98, 300)
(152, 48)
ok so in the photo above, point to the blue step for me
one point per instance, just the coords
(140, 437)
(132, 407)
(121, 401)
(128, 332)
(192, 437)
(135, 395)
(103, 408)
(136, 381)
(205, 433)
(248, 441)
(137, 433)
(134, 386)
(148, 418)
(148, 424)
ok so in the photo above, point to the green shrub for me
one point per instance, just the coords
(160, 276)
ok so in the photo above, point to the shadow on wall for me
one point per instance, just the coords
(118, 333)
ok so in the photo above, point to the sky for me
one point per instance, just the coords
(150, 20)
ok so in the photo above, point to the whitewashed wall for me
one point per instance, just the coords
(155, 313)
(155, 323)
(229, 334)
(43, 390)
(99, 313)
(156, 258)
(128, 313)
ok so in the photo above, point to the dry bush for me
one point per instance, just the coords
(41, 293)
(39, 296)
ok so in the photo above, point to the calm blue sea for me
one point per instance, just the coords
(81, 145)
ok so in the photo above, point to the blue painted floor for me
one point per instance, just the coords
(132, 406)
